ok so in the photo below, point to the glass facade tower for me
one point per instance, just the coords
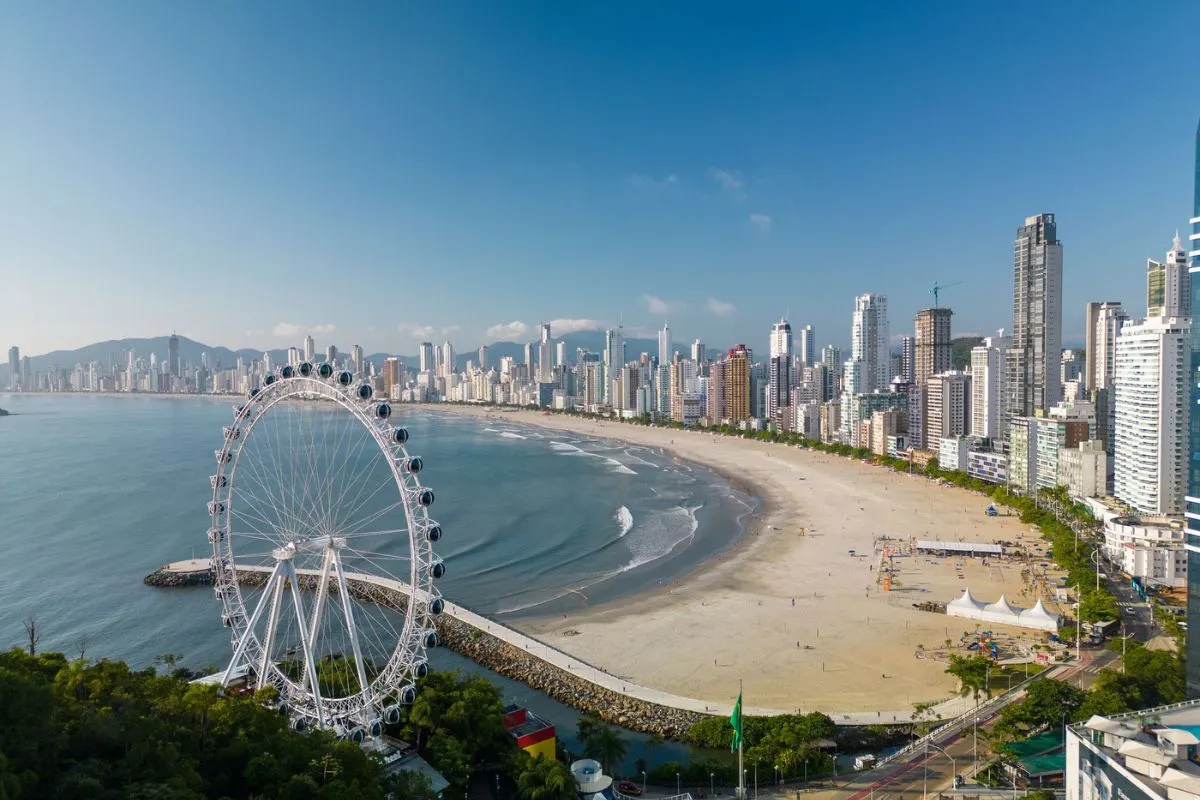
(1193, 490)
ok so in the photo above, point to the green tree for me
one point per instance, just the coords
(609, 748)
(972, 673)
(545, 779)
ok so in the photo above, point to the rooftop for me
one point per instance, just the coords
(1157, 748)
(960, 547)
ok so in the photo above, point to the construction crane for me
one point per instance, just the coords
(937, 287)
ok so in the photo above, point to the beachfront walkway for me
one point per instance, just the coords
(946, 710)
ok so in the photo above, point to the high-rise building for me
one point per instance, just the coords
(1168, 285)
(699, 352)
(529, 365)
(449, 360)
(869, 337)
(1032, 368)
(426, 357)
(1090, 320)
(173, 365)
(293, 356)
(932, 345)
(483, 357)
(1151, 393)
(614, 348)
(987, 384)
(310, 349)
(391, 378)
(545, 355)
(664, 344)
(737, 382)
(808, 346)
(779, 378)
(1193, 493)
(14, 367)
(331, 354)
(947, 407)
(560, 353)
(356, 355)
(908, 359)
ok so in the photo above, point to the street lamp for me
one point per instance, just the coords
(953, 767)
(755, 780)
(712, 783)
(777, 781)
(678, 790)
(643, 781)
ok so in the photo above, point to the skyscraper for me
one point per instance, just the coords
(356, 355)
(808, 346)
(331, 354)
(426, 357)
(14, 367)
(560, 353)
(869, 335)
(1101, 324)
(664, 344)
(1032, 368)
(483, 357)
(1151, 400)
(310, 349)
(932, 345)
(908, 359)
(1193, 494)
(779, 377)
(614, 349)
(449, 360)
(391, 378)
(987, 384)
(545, 355)
(699, 352)
(173, 355)
(737, 382)
(1168, 285)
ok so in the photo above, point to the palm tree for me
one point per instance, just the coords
(546, 779)
(607, 747)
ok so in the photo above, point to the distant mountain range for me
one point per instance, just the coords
(116, 351)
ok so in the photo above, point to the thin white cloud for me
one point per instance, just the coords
(720, 307)
(565, 327)
(656, 305)
(289, 330)
(762, 222)
(415, 330)
(646, 182)
(507, 331)
(449, 329)
(286, 330)
(731, 181)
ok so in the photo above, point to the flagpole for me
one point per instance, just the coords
(741, 770)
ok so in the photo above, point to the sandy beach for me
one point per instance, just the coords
(804, 624)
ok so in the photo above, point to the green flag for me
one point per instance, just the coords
(735, 719)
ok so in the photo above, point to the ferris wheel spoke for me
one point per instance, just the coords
(259, 473)
(362, 534)
(345, 519)
(358, 486)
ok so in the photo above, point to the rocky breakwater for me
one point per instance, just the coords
(497, 655)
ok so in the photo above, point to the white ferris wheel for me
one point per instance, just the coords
(322, 551)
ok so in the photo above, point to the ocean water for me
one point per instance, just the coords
(98, 491)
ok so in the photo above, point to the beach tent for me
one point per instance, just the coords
(966, 603)
(1001, 611)
(1038, 617)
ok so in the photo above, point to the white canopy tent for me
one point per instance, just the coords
(1002, 612)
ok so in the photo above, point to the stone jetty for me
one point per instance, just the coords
(503, 650)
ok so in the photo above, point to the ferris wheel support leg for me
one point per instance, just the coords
(352, 628)
(310, 661)
(244, 641)
(321, 599)
(273, 620)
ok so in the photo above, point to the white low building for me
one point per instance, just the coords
(1146, 547)
(1003, 613)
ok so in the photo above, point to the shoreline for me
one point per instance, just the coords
(754, 523)
(780, 607)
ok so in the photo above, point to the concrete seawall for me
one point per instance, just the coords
(505, 651)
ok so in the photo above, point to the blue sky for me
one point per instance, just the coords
(383, 172)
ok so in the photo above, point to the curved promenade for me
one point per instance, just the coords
(465, 638)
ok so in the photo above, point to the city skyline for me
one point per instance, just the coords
(519, 159)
